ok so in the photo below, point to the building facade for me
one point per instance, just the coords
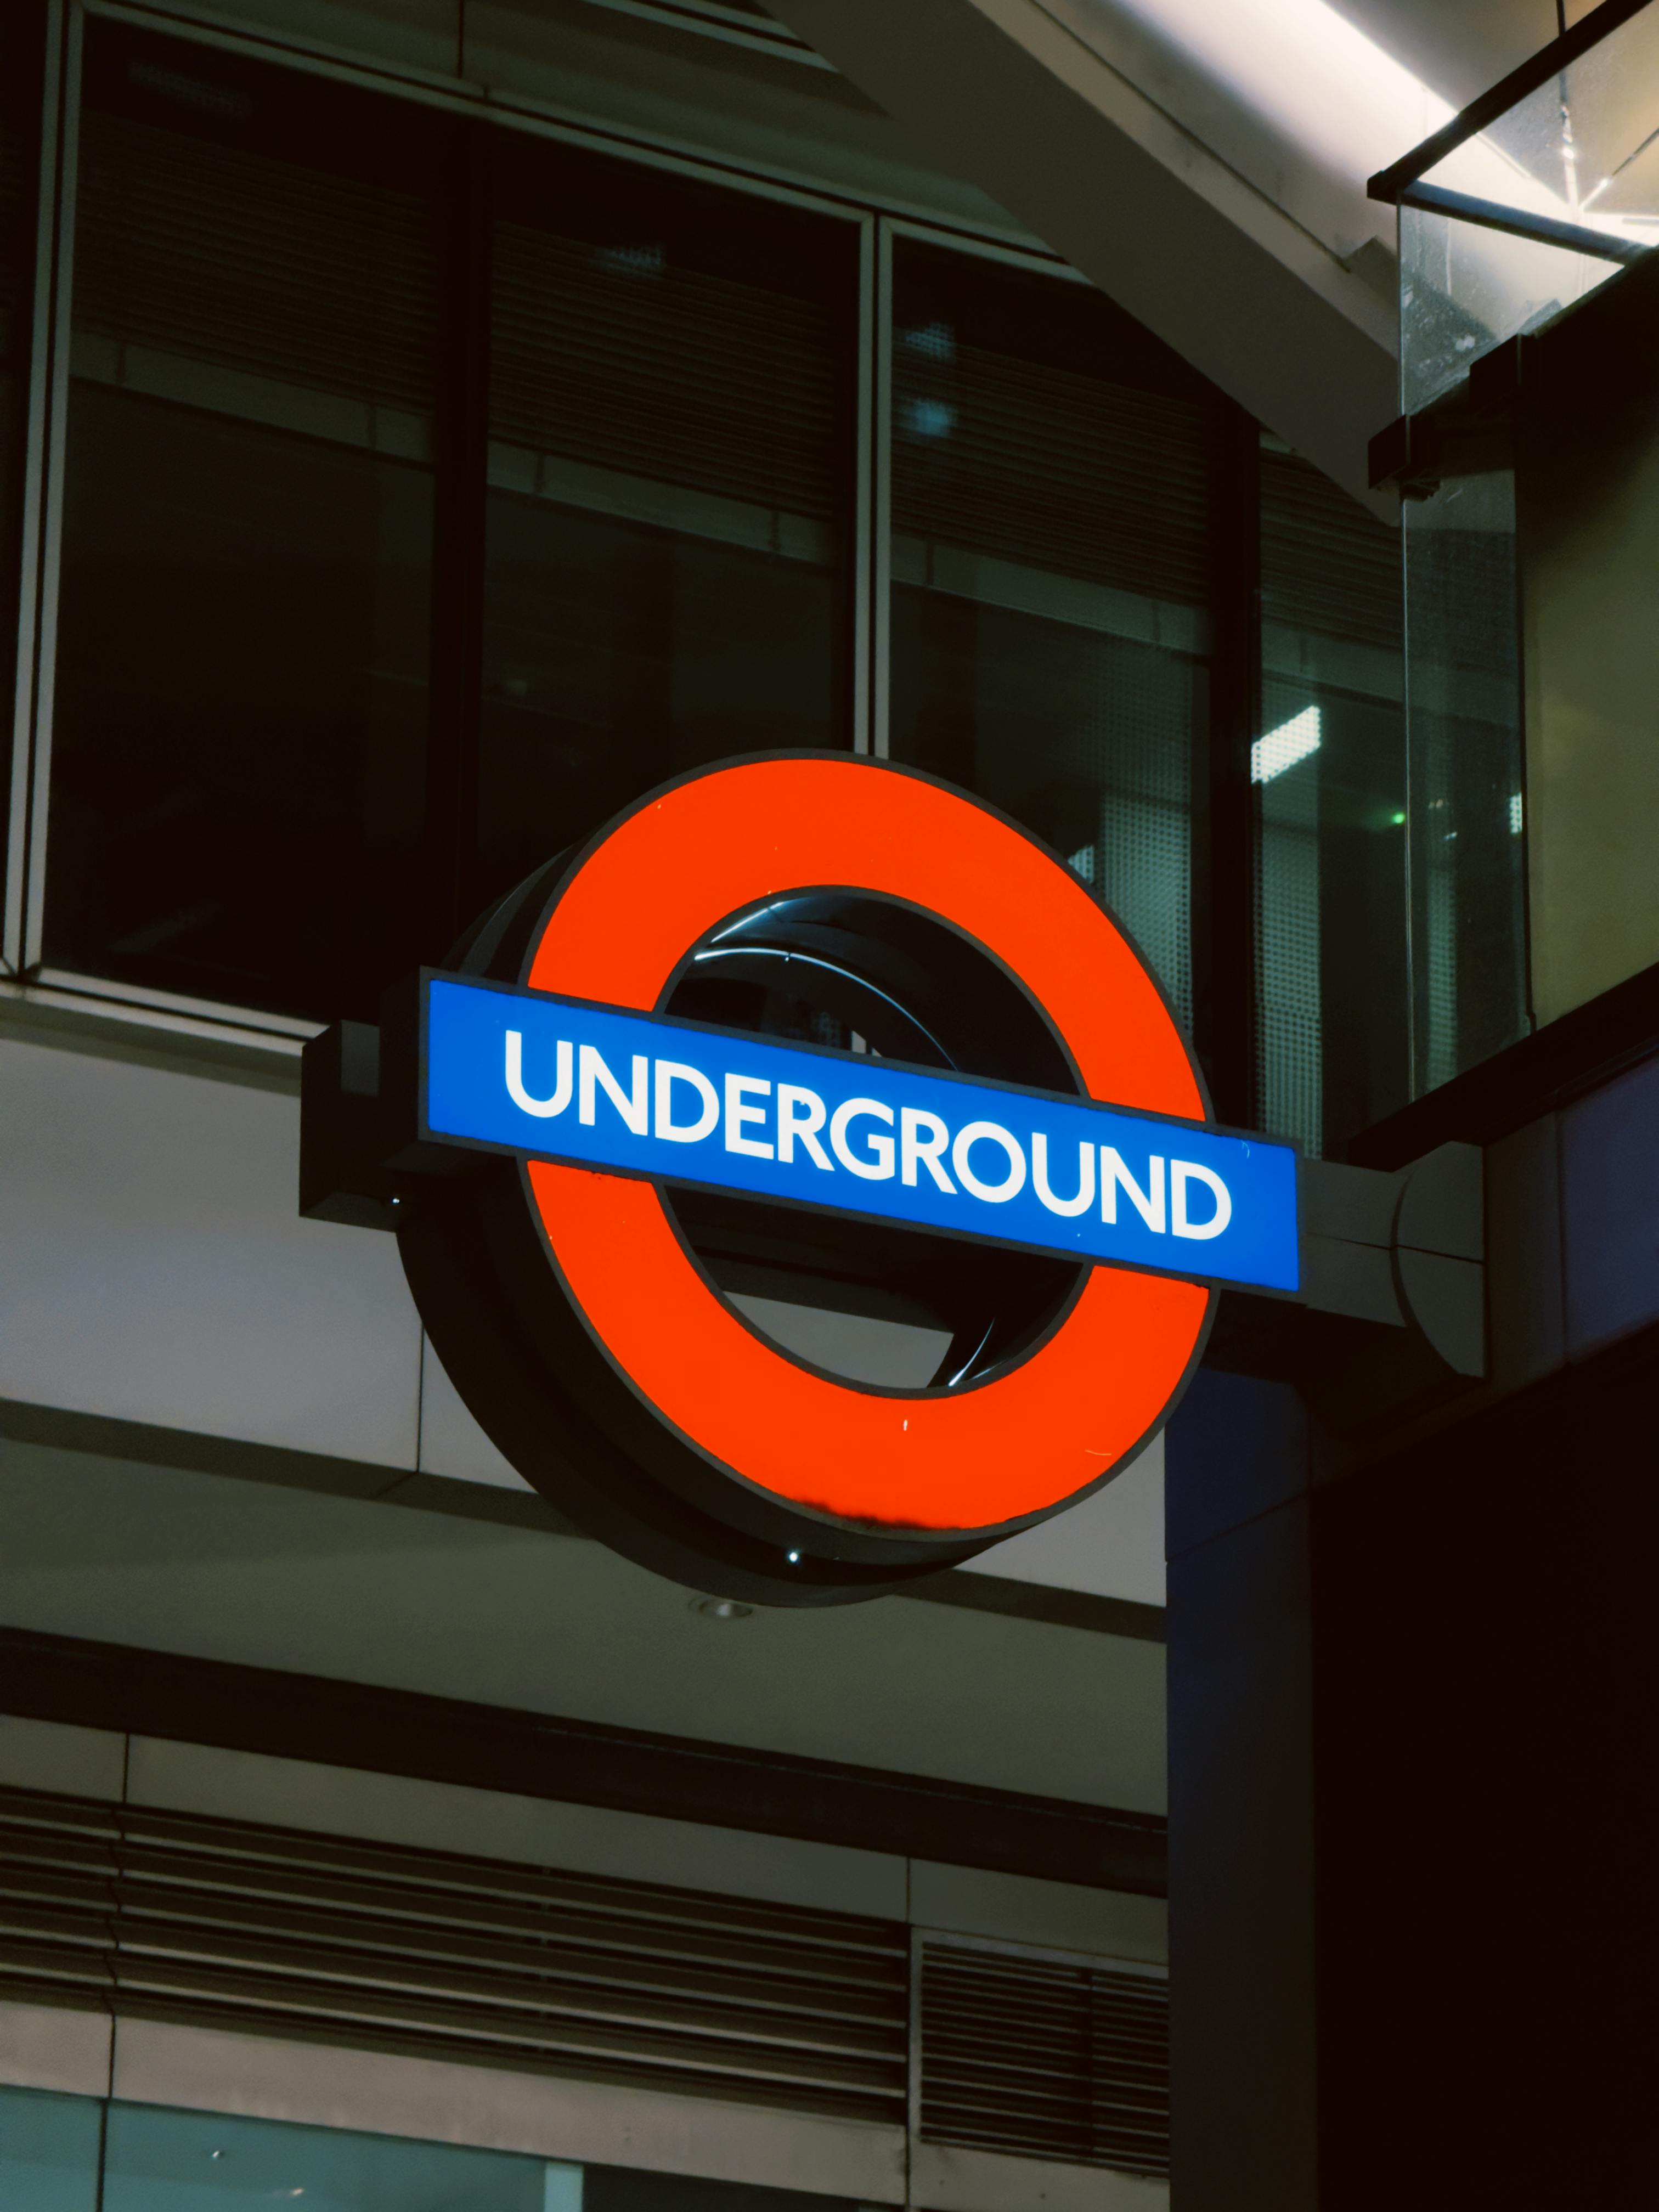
(425, 427)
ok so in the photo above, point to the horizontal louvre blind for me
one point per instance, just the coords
(239, 1925)
(223, 255)
(615, 357)
(1045, 2059)
(1058, 470)
(1327, 564)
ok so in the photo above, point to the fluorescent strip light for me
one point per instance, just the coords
(1283, 747)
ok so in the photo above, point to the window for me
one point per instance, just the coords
(1051, 575)
(77, 2154)
(49, 2151)
(433, 487)
(1328, 770)
(354, 386)
(671, 466)
(240, 723)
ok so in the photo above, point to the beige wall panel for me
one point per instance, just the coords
(1059, 1915)
(367, 1592)
(154, 1267)
(451, 1443)
(78, 1762)
(1111, 1546)
(945, 2179)
(1589, 542)
(46, 2047)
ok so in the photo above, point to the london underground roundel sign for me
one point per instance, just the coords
(814, 1036)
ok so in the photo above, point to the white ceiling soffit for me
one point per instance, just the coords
(1204, 164)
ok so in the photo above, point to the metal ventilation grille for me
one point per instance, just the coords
(236, 1925)
(1047, 2059)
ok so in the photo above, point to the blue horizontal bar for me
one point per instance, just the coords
(553, 1078)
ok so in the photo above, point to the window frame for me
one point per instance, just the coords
(1222, 866)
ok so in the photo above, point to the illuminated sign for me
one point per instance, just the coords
(525, 1072)
(811, 1036)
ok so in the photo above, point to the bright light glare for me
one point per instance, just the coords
(1304, 66)
(1315, 77)
(1517, 814)
(1283, 747)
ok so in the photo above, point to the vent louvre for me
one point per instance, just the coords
(238, 1925)
(1044, 2058)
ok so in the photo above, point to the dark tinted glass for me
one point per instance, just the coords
(241, 707)
(672, 453)
(1329, 772)
(20, 164)
(1464, 657)
(1050, 559)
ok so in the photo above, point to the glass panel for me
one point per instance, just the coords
(1330, 769)
(671, 457)
(1467, 850)
(19, 163)
(48, 2151)
(1050, 562)
(241, 711)
(1580, 156)
(157, 2160)
(615, 2188)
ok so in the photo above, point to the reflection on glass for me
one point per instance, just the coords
(157, 2160)
(1050, 562)
(1468, 845)
(672, 449)
(48, 2152)
(1330, 771)
(1544, 205)
(240, 720)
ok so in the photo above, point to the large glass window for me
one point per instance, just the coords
(77, 2154)
(1051, 574)
(160, 2161)
(433, 488)
(240, 720)
(1330, 771)
(49, 2148)
(409, 454)
(671, 466)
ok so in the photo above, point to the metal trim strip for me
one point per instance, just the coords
(1388, 184)
(881, 576)
(29, 600)
(53, 507)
